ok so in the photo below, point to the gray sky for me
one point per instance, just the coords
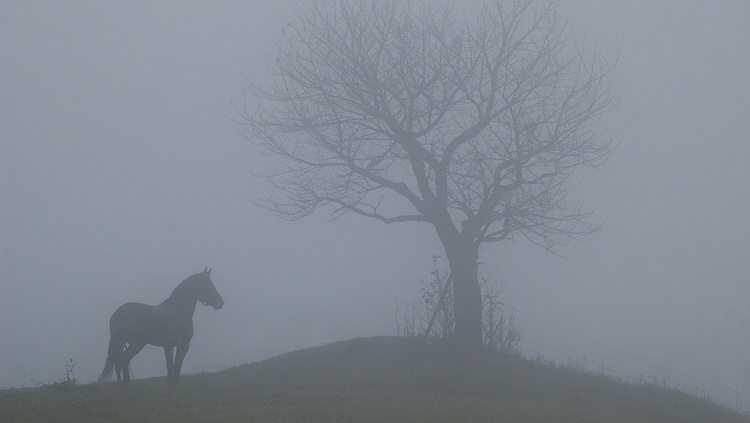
(121, 176)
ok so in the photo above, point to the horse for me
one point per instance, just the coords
(167, 325)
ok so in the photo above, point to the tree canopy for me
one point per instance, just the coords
(411, 112)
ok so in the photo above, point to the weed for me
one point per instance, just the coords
(68, 380)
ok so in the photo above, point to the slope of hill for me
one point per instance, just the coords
(382, 379)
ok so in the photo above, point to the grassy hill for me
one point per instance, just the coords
(369, 380)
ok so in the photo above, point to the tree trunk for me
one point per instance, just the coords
(462, 257)
(467, 302)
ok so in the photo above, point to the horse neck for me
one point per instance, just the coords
(182, 300)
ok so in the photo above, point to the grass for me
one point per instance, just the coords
(369, 380)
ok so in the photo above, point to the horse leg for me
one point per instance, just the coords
(169, 354)
(126, 356)
(182, 349)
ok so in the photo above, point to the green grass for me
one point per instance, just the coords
(369, 380)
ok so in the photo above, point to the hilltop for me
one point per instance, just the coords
(384, 379)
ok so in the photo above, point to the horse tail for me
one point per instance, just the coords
(112, 352)
(109, 365)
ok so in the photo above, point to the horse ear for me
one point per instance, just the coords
(209, 272)
(205, 270)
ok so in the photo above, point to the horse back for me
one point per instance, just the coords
(143, 323)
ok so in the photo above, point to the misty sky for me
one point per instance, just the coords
(122, 173)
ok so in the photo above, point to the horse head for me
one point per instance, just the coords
(207, 293)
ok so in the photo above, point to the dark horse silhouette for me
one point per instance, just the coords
(168, 325)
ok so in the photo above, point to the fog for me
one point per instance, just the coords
(122, 174)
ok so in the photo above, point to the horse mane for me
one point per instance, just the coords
(188, 282)
(184, 284)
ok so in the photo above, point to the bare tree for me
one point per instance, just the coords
(403, 112)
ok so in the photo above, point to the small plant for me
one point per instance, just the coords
(500, 333)
(437, 302)
(70, 374)
(69, 379)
